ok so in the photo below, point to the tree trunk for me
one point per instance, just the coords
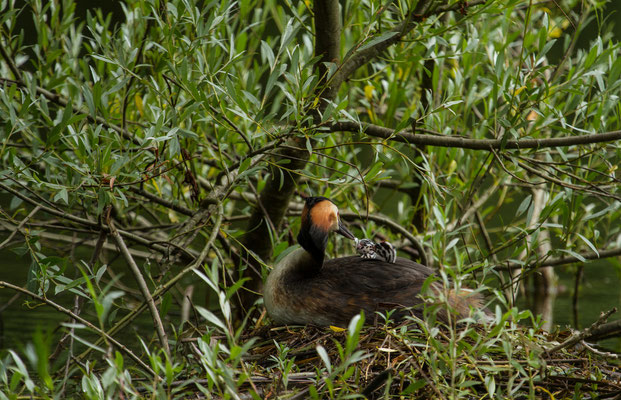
(281, 184)
(544, 282)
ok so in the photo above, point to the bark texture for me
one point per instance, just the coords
(275, 197)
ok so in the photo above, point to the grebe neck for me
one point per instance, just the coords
(299, 264)
(314, 241)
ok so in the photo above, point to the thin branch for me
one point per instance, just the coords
(92, 224)
(555, 262)
(581, 335)
(324, 166)
(473, 144)
(556, 164)
(523, 181)
(123, 322)
(72, 240)
(466, 214)
(138, 61)
(161, 201)
(572, 45)
(84, 322)
(354, 166)
(10, 63)
(232, 125)
(20, 226)
(32, 192)
(270, 146)
(142, 285)
(262, 208)
(78, 301)
(596, 186)
(71, 335)
(486, 237)
(548, 177)
(599, 352)
(361, 55)
(61, 101)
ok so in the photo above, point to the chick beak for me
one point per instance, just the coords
(344, 231)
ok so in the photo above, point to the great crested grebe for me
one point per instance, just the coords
(304, 289)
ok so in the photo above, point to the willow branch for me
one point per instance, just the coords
(20, 226)
(89, 223)
(474, 208)
(138, 61)
(581, 335)
(82, 321)
(10, 63)
(123, 322)
(142, 285)
(548, 177)
(61, 101)
(161, 201)
(473, 144)
(232, 125)
(362, 55)
(555, 262)
(72, 240)
(201, 257)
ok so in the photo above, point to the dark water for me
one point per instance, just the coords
(599, 291)
(21, 316)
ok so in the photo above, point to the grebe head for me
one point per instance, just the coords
(320, 216)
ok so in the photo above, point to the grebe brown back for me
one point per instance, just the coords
(304, 289)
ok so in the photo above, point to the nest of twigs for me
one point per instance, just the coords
(406, 361)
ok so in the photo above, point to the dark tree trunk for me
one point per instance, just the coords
(281, 184)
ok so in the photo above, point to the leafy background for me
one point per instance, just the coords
(187, 133)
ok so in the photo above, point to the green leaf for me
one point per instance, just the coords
(588, 243)
(244, 165)
(55, 133)
(165, 304)
(439, 217)
(414, 386)
(375, 170)
(524, 205)
(267, 53)
(573, 254)
(323, 354)
(287, 36)
(379, 39)
(309, 145)
(62, 195)
(353, 332)
(211, 318)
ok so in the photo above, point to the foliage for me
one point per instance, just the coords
(149, 140)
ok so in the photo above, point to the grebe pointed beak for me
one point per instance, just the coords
(344, 231)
